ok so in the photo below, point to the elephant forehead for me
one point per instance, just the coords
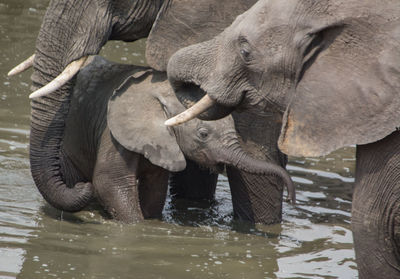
(266, 13)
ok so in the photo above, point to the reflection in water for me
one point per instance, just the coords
(194, 240)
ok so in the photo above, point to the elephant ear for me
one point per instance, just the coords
(181, 23)
(136, 120)
(349, 92)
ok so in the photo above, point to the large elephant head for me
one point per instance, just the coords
(72, 30)
(332, 66)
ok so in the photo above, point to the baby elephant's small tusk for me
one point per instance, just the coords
(205, 103)
(22, 66)
(68, 73)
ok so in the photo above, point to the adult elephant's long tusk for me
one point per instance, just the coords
(205, 103)
(22, 66)
(68, 73)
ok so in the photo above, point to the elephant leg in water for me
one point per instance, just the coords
(193, 183)
(128, 185)
(258, 198)
(376, 209)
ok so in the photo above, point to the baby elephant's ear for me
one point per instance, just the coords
(181, 23)
(136, 120)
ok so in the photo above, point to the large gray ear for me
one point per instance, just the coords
(349, 92)
(182, 23)
(136, 120)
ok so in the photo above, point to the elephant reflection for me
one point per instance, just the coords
(80, 247)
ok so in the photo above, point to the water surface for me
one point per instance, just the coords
(196, 241)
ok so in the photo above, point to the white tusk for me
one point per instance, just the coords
(22, 66)
(205, 103)
(68, 73)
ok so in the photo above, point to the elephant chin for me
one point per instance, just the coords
(189, 93)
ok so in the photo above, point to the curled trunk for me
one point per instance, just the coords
(46, 156)
(238, 158)
(54, 50)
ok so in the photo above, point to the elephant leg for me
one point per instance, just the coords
(115, 180)
(376, 209)
(153, 187)
(257, 198)
(194, 183)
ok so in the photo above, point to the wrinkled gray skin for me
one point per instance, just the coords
(256, 198)
(333, 68)
(126, 151)
(72, 29)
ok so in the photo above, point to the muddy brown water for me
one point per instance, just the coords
(192, 241)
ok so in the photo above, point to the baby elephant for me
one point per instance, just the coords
(115, 139)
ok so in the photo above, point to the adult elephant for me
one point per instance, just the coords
(72, 30)
(333, 68)
(126, 152)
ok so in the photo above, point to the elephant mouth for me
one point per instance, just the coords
(189, 93)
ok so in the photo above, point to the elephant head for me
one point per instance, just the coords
(72, 30)
(333, 67)
(136, 116)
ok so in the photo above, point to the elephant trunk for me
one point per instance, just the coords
(188, 73)
(195, 71)
(237, 157)
(47, 131)
(46, 157)
(54, 50)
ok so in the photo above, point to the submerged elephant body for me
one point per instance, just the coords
(333, 69)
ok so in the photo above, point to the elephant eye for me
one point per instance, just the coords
(244, 47)
(202, 133)
(245, 54)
